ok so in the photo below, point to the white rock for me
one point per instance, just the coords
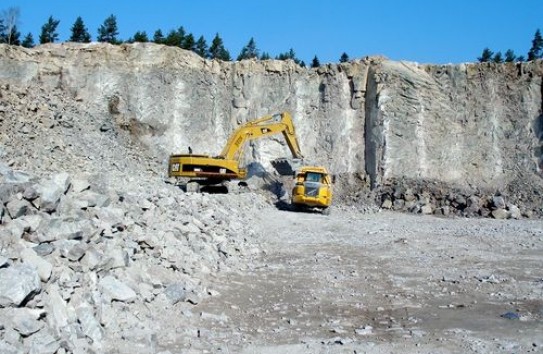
(33, 221)
(117, 290)
(50, 194)
(42, 342)
(79, 185)
(44, 268)
(110, 215)
(59, 229)
(62, 180)
(7, 348)
(25, 321)
(89, 324)
(18, 208)
(92, 258)
(94, 199)
(514, 211)
(57, 312)
(427, 209)
(18, 283)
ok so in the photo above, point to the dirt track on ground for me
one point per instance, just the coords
(383, 282)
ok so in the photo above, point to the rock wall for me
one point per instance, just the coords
(468, 125)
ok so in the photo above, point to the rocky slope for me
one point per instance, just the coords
(95, 248)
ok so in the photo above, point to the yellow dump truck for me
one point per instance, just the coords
(312, 189)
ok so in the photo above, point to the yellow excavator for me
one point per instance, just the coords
(214, 170)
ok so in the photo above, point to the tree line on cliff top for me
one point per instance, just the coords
(535, 52)
(108, 33)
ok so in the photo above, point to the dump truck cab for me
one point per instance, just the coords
(312, 189)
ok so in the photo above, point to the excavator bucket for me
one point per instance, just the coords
(285, 166)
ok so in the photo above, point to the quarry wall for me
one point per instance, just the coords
(468, 125)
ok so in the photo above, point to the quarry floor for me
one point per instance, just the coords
(379, 283)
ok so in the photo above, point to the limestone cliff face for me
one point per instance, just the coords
(467, 125)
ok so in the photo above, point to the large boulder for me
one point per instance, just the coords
(116, 290)
(50, 194)
(18, 208)
(43, 267)
(60, 229)
(17, 284)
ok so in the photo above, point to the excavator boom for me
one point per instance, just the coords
(262, 127)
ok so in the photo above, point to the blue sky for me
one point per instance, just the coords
(424, 31)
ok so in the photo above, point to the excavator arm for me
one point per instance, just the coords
(265, 126)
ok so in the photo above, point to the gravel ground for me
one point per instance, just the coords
(379, 282)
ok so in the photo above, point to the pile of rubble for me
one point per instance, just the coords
(426, 197)
(88, 270)
(97, 252)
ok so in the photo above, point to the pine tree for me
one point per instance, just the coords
(201, 48)
(140, 37)
(189, 42)
(28, 41)
(175, 38)
(9, 35)
(80, 34)
(486, 55)
(521, 58)
(249, 51)
(49, 31)
(265, 56)
(158, 37)
(315, 62)
(14, 37)
(536, 52)
(509, 56)
(344, 58)
(285, 56)
(108, 31)
(217, 50)
(497, 57)
(289, 55)
(3, 38)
